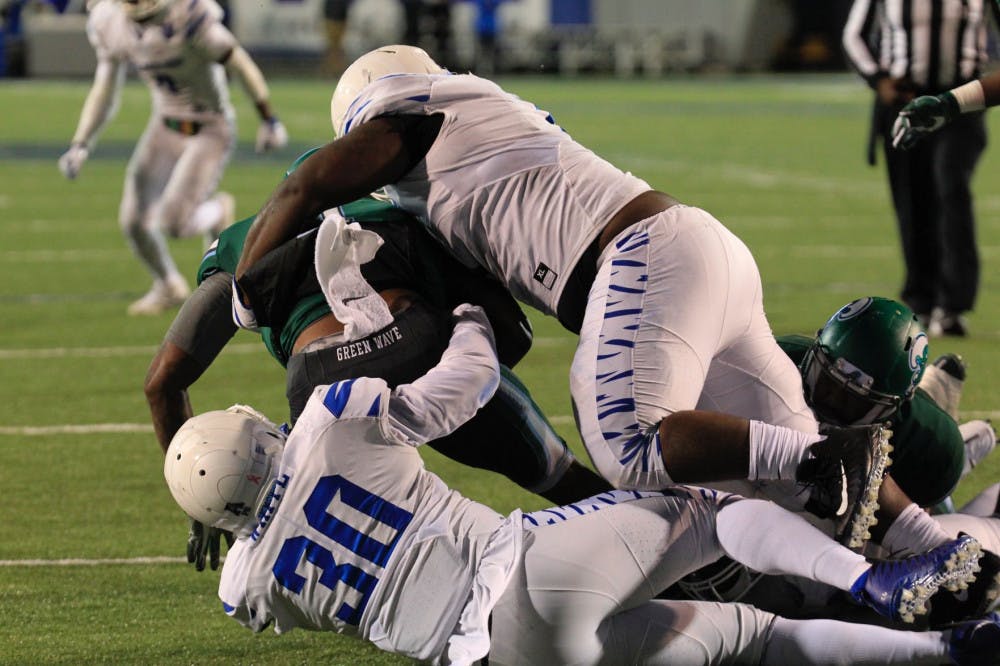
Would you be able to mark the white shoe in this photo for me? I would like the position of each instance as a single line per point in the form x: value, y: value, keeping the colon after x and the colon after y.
x: 228, y: 203
x: 980, y: 439
x: 164, y: 295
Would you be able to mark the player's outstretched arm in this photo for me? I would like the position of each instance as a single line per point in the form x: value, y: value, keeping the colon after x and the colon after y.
x: 100, y: 106
x: 271, y: 134
x: 198, y: 333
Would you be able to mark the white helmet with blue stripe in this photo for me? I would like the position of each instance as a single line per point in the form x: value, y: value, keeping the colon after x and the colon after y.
x: 393, y: 59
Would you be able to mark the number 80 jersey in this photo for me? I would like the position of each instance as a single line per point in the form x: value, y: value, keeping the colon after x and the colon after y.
x: 357, y: 537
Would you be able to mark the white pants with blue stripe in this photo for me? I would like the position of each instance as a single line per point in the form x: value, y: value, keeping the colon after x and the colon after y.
x: 675, y: 320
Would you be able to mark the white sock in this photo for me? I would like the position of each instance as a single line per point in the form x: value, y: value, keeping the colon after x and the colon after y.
x: 833, y: 642
x: 769, y: 539
x: 776, y: 451
x: 206, y: 217
x: 913, y: 532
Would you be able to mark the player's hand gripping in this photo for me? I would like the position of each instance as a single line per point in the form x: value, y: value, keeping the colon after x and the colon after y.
x: 72, y: 160
x: 921, y: 117
x: 271, y: 135
x: 204, y: 540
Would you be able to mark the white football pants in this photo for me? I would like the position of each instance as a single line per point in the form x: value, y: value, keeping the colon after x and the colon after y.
x: 168, y: 176
x: 675, y: 320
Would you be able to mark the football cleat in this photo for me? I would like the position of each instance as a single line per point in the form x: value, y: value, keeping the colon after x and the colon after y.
x: 945, y: 323
x: 164, y: 295
x: 901, y: 589
x: 845, y: 474
x: 976, y: 601
x: 977, y: 642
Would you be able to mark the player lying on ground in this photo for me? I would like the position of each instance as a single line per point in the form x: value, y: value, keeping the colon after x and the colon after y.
x: 341, y: 528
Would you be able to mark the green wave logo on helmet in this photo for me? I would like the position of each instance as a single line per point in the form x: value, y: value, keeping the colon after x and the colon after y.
x: 865, y: 362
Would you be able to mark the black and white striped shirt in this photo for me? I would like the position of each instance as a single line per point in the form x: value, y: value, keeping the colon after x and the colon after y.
x: 936, y: 44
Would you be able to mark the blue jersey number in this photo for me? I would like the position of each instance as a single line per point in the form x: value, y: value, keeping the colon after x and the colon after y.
x: 327, y: 524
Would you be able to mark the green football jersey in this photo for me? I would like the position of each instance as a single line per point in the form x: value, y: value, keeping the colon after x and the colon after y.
x: 928, y: 449
x: 225, y: 255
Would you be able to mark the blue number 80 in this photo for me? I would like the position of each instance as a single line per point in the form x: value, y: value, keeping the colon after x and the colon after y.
x: 327, y: 524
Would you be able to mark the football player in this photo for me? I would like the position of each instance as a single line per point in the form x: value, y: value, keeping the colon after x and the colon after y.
x: 182, y: 52
x: 341, y: 528
x: 866, y: 365
x: 677, y: 376
x: 420, y: 285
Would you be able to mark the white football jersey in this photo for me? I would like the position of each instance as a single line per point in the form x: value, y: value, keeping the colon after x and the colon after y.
x: 177, y: 56
x: 357, y: 537
x: 503, y: 186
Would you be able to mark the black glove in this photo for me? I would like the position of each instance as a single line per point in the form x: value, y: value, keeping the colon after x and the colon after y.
x: 202, y: 540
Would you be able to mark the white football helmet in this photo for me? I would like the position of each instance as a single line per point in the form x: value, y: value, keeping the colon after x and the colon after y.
x: 220, y: 465
x: 144, y: 10
x: 393, y: 59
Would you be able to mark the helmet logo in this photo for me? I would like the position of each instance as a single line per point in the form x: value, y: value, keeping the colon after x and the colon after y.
x: 853, y: 309
x: 918, y: 355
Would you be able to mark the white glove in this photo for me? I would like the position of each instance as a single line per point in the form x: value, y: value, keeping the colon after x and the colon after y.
x: 271, y: 134
x: 243, y: 316
x: 72, y: 160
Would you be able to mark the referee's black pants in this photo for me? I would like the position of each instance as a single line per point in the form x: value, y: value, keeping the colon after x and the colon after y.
x: 932, y: 195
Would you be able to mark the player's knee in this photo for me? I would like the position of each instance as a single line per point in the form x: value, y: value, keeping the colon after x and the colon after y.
x: 172, y: 216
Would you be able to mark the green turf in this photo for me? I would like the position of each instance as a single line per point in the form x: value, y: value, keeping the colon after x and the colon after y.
x: 779, y: 160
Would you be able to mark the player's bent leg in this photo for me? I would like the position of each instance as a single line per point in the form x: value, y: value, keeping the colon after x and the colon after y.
x: 589, y: 560
x: 649, y: 332
x: 192, y: 182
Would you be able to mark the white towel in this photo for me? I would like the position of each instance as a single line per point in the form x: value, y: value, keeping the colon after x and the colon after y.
x: 341, y: 249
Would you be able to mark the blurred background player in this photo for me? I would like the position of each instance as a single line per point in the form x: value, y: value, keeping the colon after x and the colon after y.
x: 182, y: 52
x: 341, y: 528
x: 903, y: 50
x: 420, y: 284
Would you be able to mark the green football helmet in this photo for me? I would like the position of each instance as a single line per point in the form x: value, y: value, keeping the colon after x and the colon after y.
x: 864, y: 363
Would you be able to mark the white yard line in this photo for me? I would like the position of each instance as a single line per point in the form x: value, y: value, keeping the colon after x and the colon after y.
x: 83, y: 562
x: 88, y: 429
x: 105, y: 352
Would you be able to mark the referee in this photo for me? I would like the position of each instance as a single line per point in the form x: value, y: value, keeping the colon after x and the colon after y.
x: 903, y: 49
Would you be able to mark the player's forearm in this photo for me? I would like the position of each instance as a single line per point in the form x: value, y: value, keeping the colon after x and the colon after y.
x: 166, y: 392
x: 240, y: 63
x: 169, y: 409
x: 101, y: 103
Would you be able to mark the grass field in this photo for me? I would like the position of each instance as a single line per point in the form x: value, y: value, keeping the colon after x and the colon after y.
x: 89, y: 550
